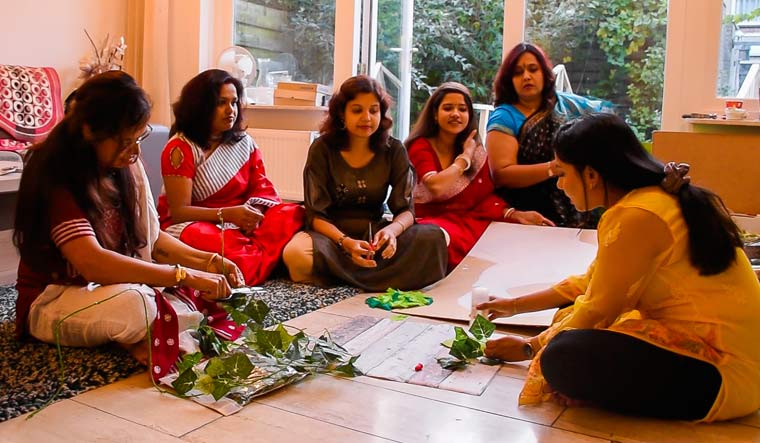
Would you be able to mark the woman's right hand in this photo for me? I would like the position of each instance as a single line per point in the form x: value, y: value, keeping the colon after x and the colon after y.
x: 469, y: 145
x: 245, y: 217
x: 360, y: 251
x: 211, y: 286
x: 499, y: 307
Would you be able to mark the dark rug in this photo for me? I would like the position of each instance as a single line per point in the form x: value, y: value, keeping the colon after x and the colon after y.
x: 30, y: 374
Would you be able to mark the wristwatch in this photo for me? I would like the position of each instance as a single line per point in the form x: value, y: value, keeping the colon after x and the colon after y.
x: 528, y: 350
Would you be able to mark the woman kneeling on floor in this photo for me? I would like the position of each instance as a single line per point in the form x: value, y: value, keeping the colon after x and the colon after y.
x: 665, y: 322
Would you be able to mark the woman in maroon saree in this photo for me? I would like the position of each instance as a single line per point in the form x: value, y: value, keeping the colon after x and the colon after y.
x: 454, y: 189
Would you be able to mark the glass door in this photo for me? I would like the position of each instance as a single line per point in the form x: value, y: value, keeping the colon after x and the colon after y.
x: 386, y: 54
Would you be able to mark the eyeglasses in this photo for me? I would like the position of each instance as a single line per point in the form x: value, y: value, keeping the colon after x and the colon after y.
x: 126, y: 152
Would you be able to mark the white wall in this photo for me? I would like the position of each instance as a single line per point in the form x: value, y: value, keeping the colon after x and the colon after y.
x: 51, y: 33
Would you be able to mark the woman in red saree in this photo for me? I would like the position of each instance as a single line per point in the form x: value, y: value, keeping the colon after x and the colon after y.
x: 214, y: 176
x: 454, y: 188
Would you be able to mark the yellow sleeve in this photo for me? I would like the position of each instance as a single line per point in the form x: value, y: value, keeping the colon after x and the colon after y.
x: 632, y: 244
x: 575, y: 285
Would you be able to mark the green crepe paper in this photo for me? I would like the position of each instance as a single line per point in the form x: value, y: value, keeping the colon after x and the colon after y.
x: 395, y: 299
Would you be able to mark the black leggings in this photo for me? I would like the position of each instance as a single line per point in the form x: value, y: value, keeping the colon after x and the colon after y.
x: 623, y: 374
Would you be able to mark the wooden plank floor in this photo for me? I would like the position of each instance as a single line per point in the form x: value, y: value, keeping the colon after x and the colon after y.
x: 363, y: 409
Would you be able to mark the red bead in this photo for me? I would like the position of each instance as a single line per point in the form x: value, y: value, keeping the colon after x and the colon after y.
x: 418, y: 368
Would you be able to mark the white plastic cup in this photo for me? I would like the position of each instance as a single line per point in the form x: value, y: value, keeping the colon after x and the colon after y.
x: 478, y: 295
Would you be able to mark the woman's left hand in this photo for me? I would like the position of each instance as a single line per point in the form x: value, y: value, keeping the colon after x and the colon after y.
x: 507, y: 348
x: 531, y: 218
x: 231, y: 271
x: 385, y: 238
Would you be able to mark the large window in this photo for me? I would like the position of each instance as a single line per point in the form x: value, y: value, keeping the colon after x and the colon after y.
x: 612, y: 50
x: 290, y: 38
x: 451, y: 40
x: 739, y: 59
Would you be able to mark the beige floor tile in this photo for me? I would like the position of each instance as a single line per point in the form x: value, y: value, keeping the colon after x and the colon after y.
x: 518, y: 369
x: 500, y: 398
x: 315, y: 323
x: 628, y: 429
x: 69, y: 421
x: 261, y: 423
x: 137, y: 400
x: 403, y: 417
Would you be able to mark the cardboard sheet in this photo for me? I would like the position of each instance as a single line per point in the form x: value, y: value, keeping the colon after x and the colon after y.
x: 511, y: 260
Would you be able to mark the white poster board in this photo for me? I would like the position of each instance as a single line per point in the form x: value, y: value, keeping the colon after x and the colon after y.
x: 511, y: 260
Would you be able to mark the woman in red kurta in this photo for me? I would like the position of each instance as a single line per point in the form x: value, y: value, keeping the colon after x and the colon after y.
x: 454, y: 188
x: 213, y: 174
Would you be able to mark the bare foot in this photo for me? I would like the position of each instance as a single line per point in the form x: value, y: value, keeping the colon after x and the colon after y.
x: 139, y: 351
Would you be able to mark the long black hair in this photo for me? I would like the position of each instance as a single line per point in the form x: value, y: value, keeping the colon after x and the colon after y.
x: 426, y: 125
x: 195, y: 110
x: 606, y: 143
x: 108, y: 104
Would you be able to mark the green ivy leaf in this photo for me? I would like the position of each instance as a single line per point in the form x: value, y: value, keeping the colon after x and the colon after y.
x: 481, y: 328
x: 269, y: 342
x: 451, y: 363
x: 348, y: 368
x: 220, y: 388
x: 188, y: 361
x: 185, y: 382
x: 215, y: 367
x: 257, y: 310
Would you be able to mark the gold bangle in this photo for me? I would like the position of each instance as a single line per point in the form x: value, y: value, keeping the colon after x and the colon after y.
x: 508, y: 213
x: 219, y: 215
x: 180, y: 274
x: 211, y: 260
x: 403, y: 227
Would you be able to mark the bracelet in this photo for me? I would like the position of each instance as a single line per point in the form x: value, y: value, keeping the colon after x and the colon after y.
x: 461, y: 169
x: 466, y: 160
x: 508, y: 213
x: 219, y: 215
x: 403, y: 227
x: 340, y: 242
x: 211, y: 260
x: 180, y: 274
x: 549, y: 170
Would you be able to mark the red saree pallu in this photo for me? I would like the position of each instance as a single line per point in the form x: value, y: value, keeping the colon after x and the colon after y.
x: 30, y: 105
x: 232, y: 175
x: 466, y: 210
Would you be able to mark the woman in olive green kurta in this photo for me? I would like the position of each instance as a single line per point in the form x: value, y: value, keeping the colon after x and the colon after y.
x: 348, y: 174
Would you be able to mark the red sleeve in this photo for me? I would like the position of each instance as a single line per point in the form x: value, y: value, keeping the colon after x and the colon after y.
x: 259, y: 185
x: 67, y: 220
x: 423, y: 158
x: 177, y: 159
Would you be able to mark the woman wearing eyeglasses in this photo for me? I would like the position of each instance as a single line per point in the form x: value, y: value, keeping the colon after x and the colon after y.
x: 91, y: 251
x: 214, y: 177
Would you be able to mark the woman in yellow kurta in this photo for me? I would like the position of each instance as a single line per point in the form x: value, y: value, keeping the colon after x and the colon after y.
x: 666, y: 321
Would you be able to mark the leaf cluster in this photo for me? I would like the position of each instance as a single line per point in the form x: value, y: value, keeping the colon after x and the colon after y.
x: 466, y: 346
x: 264, y: 360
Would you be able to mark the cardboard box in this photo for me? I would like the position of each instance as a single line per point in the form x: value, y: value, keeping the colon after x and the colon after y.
x: 300, y: 97
x: 303, y: 86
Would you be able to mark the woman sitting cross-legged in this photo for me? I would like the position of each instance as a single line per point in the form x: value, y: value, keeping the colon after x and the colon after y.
x: 348, y: 172
x: 520, y: 135
x: 454, y: 189
x: 93, y: 259
x: 213, y: 174
x: 665, y: 322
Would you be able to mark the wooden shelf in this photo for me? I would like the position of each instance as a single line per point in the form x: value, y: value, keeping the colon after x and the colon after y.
x: 723, y: 122
x: 287, y: 108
